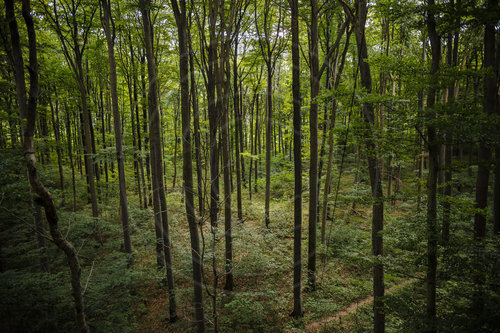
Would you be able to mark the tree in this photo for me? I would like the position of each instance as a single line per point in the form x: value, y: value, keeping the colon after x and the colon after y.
x: 297, y: 157
x: 271, y: 48
x: 109, y: 29
x: 73, y: 46
x: 433, y: 147
x: 315, y: 76
x: 159, y: 200
x: 373, y: 168
x: 27, y: 111
x: 179, y: 9
x: 484, y: 158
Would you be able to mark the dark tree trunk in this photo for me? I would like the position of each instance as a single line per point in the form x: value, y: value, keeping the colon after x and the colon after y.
x: 489, y: 105
x: 226, y: 164
x: 269, y: 122
x: 432, y: 178
x: 257, y: 144
x: 70, y: 154
x: 145, y: 120
x: 373, y: 170
x: 135, y: 113
x: 27, y: 111
x: 297, y: 150
x: 237, y: 123
x: 130, y: 78
x: 196, y: 125
x: 159, y: 201
x: 187, y: 163
x: 484, y: 160
x: 313, y: 129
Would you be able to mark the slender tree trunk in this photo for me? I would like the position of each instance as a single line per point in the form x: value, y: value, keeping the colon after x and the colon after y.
x: 89, y: 162
x: 145, y: 121
x: 313, y: 129
x: 138, y: 127
x: 70, y: 154
x: 176, y: 140
x: 484, y: 161
x: 187, y: 163
x: 252, y: 148
x: 196, y: 125
x: 489, y: 106
x: 433, y: 145
x: 223, y: 79
x: 269, y: 122
x: 237, y: 132
x: 257, y: 143
x: 374, y: 170
x: 159, y: 201
x: 132, y: 95
x: 297, y: 150
x: 108, y: 24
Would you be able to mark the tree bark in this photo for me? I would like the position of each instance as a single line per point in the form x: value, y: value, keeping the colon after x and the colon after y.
x: 187, y: 162
x: 237, y: 123
x: 313, y: 129
x: 373, y: 169
x: 297, y: 150
x: 432, y: 178
x: 196, y: 126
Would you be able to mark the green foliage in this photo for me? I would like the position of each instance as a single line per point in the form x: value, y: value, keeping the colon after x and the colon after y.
x: 35, y: 302
x: 245, y: 313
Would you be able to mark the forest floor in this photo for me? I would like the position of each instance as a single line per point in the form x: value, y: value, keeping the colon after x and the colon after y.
x: 339, y: 315
x: 263, y: 268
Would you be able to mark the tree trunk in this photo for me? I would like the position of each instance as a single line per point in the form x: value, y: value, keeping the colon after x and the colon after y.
x: 374, y: 171
x: 269, y: 122
x: 313, y: 164
x: 108, y: 26
x: 70, y: 154
x: 196, y: 125
x: 27, y: 111
x: 297, y: 150
x: 433, y: 145
x: 237, y: 123
x: 159, y: 201
x: 187, y: 163
x: 484, y: 161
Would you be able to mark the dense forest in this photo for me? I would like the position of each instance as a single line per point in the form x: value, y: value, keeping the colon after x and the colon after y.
x: 249, y: 166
